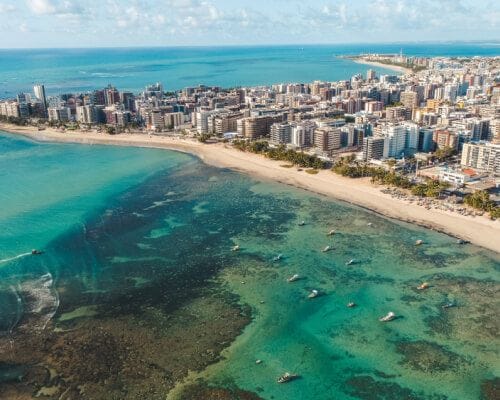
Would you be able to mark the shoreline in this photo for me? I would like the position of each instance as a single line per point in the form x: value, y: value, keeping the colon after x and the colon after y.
x: 478, y: 230
x: 397, y: 68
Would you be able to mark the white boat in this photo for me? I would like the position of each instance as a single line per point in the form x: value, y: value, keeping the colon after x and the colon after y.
x: 278, y: 257
x: 287, y: 377
x: 302, y: 223
x: 314, y: 293
x: 369, y: 224
x: 351, y: 304
x: 294, y: 278
x: 331, y: 233
x: 423, y: 286
x: 419, y: 242
x: 327, y: 248
x: 235, y: 248
x: 350, y: 262
x: 389, y: 317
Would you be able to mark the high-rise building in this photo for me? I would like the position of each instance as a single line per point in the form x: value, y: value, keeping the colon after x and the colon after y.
x: 425, y: 140
x: 443, y: 138
x: 256, y: 127
x: 398, y: 113
x: 373, y: 148
x: 281, y: 133
x: 395, y: 140
x: 371, y: 75
x: 59, y: 114
x: 481, y: 156
x: 409, y: 99
x: 327, y: 139
x: 303, y: 133
x: 39, y: 91
x: 481, y: 130
x: 87, y: 114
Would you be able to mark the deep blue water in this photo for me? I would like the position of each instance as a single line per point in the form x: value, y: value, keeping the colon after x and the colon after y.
x: 80, y: 70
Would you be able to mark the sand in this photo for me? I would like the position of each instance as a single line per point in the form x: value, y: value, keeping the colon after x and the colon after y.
x: 479, y: 230
x: 382, y: 65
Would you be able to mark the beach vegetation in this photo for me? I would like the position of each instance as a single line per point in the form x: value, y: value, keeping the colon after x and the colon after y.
x: 431, y: 188
x: 481, y: 200
x: 346, y: 166
x: 14, y: 120
x: 281, y: 153
x: 203, y: 138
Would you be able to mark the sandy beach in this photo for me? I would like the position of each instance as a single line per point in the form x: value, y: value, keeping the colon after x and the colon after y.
x: 382, y: 65
x: 479, y: 230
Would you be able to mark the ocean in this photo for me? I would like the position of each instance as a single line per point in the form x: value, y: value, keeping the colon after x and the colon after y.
x: 82, y: 70
x: 138, y: 286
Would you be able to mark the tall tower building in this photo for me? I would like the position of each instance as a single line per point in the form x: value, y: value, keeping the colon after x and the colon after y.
x: 40, y: 94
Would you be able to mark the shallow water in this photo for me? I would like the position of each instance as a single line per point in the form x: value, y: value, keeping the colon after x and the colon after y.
x: 138, y: 247
x: 346, y: 353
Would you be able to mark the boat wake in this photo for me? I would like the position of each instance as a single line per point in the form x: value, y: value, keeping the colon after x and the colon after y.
x: 6, y: 260
x: 40, y: 300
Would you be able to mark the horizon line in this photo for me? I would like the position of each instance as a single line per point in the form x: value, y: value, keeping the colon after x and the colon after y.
x: 494, y: 42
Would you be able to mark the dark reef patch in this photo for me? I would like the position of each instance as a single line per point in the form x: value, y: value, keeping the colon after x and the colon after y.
x: 366, y: 388
x: 157, y: 311
x: 201, y: 391
x: 429, y: 357
x: 490, y: 389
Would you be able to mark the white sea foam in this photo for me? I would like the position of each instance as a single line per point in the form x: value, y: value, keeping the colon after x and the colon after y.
x: 41, y: 300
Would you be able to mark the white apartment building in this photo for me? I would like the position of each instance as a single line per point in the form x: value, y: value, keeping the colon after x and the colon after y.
x: 482, y: 156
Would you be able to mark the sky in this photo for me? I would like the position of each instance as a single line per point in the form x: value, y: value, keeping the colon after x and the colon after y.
x: 103, y: 23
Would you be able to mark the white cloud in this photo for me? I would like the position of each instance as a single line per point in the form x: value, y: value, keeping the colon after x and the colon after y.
x: 51, y: 7
x: 6, y: 8
x: 257, y: 21
x: 41, y: 6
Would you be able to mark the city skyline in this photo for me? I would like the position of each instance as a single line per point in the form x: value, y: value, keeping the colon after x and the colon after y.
x: 54, y: 23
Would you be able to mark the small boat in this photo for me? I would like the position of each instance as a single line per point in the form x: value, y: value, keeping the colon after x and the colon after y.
x: 331, y: 233
x: 235, y: 248
x: 369, y: 224
x: 314, y: 293
x: 36, y: 252
x: 350, y: 262
x: 419, y: 242
x: 278, y: 257
x: 423, y: 286
x: 461, y: 241
x: 327, y: 248
x: 302, y: 223
x: 293, y: 278
x: 351, y: 304
x: 389, y: 317
x: 258, y: 362
x: 449, y: 305
x: 287, y: 377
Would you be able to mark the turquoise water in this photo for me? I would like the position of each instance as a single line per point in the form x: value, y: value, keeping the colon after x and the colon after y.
x: 130, y: 233
x: 80, y: 70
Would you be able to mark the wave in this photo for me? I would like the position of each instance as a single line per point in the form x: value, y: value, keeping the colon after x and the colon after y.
x: 40, y: 299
